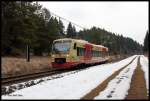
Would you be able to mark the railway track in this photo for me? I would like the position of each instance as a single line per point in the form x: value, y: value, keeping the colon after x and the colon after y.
x: 22, y: 78
x: 12, y: 84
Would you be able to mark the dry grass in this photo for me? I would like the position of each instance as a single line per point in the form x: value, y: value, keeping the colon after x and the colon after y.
x: 12, y: 66
x: 117, y: 57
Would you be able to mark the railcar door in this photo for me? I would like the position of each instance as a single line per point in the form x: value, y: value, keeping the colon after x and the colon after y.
x: 88, y: 52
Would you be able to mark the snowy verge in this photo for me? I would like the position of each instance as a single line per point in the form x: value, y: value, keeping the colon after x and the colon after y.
x: 119, y: 86
x: 145, y: 67
x: 14, y: 87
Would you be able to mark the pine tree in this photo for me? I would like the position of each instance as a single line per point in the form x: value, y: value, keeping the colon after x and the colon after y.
x: 74, y: 32
x: 46, y: 14
x: 70, y: 31
x: 61, y: 28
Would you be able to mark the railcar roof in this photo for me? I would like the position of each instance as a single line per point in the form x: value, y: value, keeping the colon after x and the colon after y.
x: 81, y: 41
x: 78, y: 40
x: 63, y: 39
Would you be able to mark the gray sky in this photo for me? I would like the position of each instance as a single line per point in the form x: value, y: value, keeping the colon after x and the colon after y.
x: 127, y: 18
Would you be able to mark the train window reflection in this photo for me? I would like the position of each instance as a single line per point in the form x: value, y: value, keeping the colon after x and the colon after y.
x: 61, y: 46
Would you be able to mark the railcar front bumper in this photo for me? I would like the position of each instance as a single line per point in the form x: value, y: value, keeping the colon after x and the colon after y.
x: 64, y: 65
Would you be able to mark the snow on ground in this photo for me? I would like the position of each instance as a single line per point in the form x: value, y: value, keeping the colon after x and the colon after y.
x: 73, y: 86
x: 119, y: 86
x: 26, y: 84
x: 145, y: 67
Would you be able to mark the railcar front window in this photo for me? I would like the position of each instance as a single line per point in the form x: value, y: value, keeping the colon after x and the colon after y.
x: 61, y: 47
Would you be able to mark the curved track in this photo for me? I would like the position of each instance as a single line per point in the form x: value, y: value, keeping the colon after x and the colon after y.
x: 21, y: 78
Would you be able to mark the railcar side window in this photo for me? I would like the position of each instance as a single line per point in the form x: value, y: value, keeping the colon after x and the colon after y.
x: 95, y: 53
x: 80, y: 51
x: 83, y: 51
x: 98, y: 53
x: 102, y: 54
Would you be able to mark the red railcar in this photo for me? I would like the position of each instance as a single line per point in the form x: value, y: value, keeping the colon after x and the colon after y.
x: 68, y: 53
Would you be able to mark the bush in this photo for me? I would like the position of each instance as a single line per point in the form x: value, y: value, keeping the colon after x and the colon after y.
x: 16, y: 52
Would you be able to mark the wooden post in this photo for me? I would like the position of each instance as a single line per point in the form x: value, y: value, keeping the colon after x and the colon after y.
x: 28, y: 53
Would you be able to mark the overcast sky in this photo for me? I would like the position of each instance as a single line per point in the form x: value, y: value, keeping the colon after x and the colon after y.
x: 127, y: 18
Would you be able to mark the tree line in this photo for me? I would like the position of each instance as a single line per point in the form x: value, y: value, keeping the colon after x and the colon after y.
x: 117, y: 44
x: 28, y: 23
x: 146, y: 43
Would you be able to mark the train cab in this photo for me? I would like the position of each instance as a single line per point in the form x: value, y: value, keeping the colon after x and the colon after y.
x: 61, y: 50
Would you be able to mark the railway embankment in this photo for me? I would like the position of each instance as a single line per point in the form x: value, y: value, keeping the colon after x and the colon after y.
x: 14, y: 66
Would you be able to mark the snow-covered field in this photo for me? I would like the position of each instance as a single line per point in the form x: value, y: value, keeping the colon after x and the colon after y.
x: 74, y: 86
x: 119, y: 86
x: 145, y: 68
